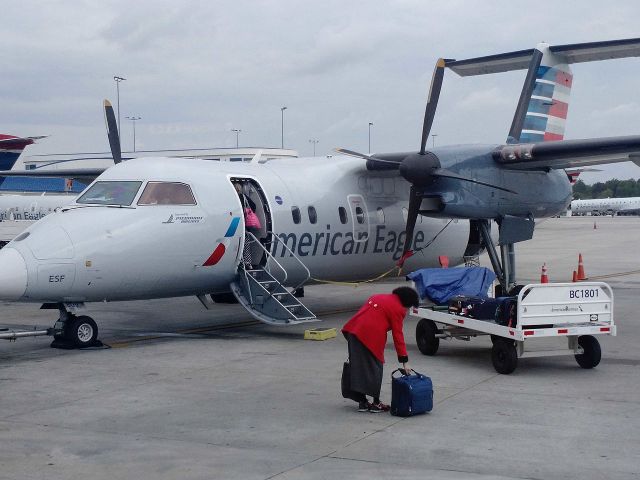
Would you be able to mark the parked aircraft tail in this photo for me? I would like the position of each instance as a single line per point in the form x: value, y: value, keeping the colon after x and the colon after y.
x: 541, y: 113
x: 11, y: 148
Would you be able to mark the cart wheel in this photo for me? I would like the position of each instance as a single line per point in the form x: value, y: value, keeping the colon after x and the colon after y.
x: 81, y: 332
x: 504, y: 356
x: 592, y: 353
x: 426, y: 338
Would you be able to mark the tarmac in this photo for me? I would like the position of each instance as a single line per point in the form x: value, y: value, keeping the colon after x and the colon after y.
x: 193, y: 394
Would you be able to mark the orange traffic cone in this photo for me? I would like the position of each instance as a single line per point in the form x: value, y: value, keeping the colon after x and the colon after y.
x: 575, y: 277
x: 581, y: 275
x: 543, y: 275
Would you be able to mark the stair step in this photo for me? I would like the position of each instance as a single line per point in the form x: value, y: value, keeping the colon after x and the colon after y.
x: 267, y: 300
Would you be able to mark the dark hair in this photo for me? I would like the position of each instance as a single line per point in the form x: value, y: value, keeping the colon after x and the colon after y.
x: 408, y: 296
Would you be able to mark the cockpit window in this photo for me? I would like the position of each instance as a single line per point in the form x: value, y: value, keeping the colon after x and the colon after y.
x: 111, y: 193
x: 167, y: 193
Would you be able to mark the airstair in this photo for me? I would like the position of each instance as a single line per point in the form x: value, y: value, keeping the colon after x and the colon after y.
x: 261, y: 292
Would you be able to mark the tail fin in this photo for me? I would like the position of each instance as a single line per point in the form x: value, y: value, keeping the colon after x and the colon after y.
x: 11, y: 148
x: 542, y: 109
x: 548, y: 104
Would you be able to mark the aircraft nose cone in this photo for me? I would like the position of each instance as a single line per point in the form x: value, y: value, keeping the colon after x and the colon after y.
x: 13, y: 274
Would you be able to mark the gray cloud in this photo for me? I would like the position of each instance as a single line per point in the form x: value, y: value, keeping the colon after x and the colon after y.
x: 197, y: 69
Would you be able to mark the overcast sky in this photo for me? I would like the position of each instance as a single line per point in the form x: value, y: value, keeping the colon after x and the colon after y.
x: 195, y: 70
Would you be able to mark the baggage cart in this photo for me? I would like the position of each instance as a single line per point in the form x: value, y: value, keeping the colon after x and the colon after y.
x: 573, y: 312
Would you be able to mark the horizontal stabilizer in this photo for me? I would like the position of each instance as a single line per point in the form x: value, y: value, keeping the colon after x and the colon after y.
x: 569, y: 153
x: 573, y: 53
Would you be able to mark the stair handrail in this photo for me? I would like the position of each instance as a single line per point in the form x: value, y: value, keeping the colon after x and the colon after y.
x: 284, y: 244
x: 254, y: 239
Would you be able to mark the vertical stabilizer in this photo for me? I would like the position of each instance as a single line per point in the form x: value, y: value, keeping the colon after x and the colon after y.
x: 10, y: 150
x: 548, y: 103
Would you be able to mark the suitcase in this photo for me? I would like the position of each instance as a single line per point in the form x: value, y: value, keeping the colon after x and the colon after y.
x: 481, y: 308
x: 410, y: 394
x: 507, y: 311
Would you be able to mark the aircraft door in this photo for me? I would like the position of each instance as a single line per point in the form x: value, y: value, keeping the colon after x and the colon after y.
x: 359, y: 217
x: 252, y: 196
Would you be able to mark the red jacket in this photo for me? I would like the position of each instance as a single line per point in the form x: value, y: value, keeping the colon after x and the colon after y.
x: 370, y: 325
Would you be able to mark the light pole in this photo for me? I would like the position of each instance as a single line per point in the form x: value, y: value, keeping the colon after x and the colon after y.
x: 134, y: 120
x: 118, y: 80
x: 314, y: 141
x: 370, y: 125
x: 433, y: 139
x: 237, y: 133
x: 282, y: 109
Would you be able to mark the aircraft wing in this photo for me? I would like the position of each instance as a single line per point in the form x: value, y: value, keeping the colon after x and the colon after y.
x: 569, y: 153
x: 85, y: 175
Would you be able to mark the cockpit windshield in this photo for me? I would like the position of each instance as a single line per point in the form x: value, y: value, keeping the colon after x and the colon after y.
x: 110, y: 193
x: 167, y: 193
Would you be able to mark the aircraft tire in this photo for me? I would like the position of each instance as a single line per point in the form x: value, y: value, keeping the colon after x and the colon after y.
x: 504, y: 356
x: 592, y: 352
x: 81, y: 332
x: 426, y: 339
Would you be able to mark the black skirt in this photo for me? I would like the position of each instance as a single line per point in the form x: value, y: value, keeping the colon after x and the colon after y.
x: 366, y: 369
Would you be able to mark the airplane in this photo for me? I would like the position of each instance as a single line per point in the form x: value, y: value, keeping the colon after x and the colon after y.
x: 166, y: 227
x: 606, y: 206
x: 11, y: 147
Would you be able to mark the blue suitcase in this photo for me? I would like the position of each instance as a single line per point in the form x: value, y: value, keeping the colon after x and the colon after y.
x: 410, y: 394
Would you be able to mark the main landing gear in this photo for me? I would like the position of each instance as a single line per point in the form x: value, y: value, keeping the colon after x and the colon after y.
x: 73, y: 331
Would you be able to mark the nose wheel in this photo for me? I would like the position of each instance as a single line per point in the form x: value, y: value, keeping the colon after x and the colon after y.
x: 74, y: 331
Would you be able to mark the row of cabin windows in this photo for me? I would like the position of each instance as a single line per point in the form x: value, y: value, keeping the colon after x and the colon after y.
x: 342, y: 214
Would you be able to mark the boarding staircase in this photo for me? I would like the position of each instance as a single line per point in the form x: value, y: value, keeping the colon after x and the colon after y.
x: 261, y: 292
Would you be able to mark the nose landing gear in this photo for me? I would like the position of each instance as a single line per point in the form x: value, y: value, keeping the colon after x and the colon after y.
x: 73, y: 331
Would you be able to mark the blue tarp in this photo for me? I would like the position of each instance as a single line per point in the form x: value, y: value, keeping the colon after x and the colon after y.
x: 440, y: 284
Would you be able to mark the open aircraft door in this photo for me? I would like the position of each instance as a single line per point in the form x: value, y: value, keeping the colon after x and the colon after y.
x: 360, y: 217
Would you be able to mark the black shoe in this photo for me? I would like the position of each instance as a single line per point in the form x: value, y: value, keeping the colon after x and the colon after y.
x: 363, y: 406
x: 379, y: 407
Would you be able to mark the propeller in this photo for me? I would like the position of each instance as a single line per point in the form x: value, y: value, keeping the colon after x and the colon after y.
x: 421, y: 168
x: 112, y: 132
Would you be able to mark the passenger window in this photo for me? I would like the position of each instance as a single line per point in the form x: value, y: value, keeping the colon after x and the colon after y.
x: 111, y: 193
x: 342, y: 212
x: 380, y: 216
x: 167, y: 193
x: 295, y: 213
x: 313, y: 216
x: 359, y: 215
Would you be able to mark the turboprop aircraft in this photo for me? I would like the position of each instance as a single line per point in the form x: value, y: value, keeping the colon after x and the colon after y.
x: 163, y: 227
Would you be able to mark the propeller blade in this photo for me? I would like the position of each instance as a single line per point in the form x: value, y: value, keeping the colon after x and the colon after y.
x: 441, y: 172
x: 415, y: 200
x: 351, y: 153
x: 373, y: 161
x: 432, y: 102
x: 112, y: 132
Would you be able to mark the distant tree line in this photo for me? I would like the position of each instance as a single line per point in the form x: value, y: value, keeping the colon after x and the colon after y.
x: 610, y: 189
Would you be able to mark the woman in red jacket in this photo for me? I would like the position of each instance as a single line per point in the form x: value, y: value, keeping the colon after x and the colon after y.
x: 366, y: 335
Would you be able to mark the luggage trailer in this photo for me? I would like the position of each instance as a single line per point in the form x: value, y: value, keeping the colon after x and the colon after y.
x: 575, y: 311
